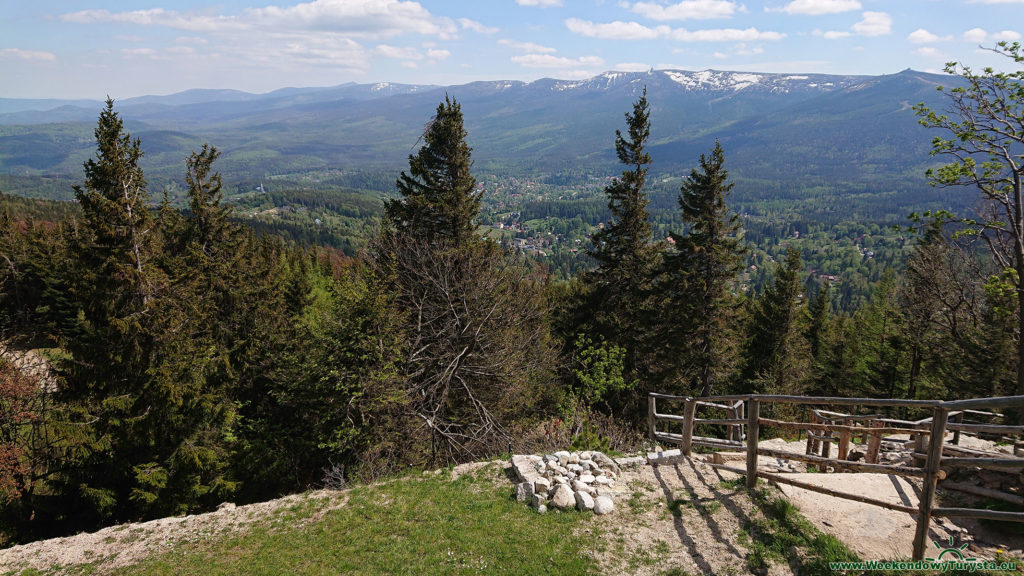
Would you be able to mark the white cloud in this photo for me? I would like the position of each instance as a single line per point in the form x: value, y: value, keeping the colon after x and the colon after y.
x: 615, y: 30
x: 398, y: 52
x: 477, y: 27
x: 874, y: 24
x: 158, y: 17
x: 1006, y: 36
x: 337, y: 53
x: 725, y: 35
x: 19, y: 54
x: 927, y: 51
x: 551, y: 61
x: 357, y: 18
x: 744, y: 50
x: 975, y: 35
x: 832, y: 34
x: 527, y: 46
x: 687, y: 10
x: 631, y: 67
x: 369, y: 18
x: 720, y: 55
x: 137, y: 51
x: 438, y: 54
x: 818, y: 7
x: 541, y: 3
x: 997, y: 1
x: 635, y: 31
x: 922, y: 36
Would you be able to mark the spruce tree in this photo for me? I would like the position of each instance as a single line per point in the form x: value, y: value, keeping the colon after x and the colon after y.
x: 777, y: 354
x: 475, y: 335
x: 694, y: 280
x: 620, y: 285
x: 439, y: 195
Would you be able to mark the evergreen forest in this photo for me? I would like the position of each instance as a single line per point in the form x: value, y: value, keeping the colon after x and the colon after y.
x: 163, y: 353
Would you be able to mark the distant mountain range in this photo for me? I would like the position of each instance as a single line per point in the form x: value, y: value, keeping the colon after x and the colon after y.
x: 784, y: 130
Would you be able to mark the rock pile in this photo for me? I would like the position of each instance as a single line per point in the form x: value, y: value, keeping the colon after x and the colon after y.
x: 563, y: 480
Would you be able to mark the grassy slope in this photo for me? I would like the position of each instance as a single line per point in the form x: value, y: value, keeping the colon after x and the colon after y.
x: 428, y: 525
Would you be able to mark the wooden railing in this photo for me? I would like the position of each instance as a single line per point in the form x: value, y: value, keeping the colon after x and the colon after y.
x: 743, y: 414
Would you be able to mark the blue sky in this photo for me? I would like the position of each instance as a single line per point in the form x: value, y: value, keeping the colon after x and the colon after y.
x: 92, y: 48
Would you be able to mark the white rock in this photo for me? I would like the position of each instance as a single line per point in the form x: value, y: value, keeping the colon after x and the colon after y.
x: 603, y: 480
x: 585, y: 455
x: 603, y: 505
x: 563, y: 498
x: 589, y: 464
x: 550, y: 458
x: 574, y: 458
x: 541, y: 485
x: 560, y: 480
x: 581, y: 487
x: 574, y: 468
x: 584, y: 501
x: 563, y: 457
x: 587, y: 478
x: 534, y: 458
x: 524, y: 491
x: 542, y: 509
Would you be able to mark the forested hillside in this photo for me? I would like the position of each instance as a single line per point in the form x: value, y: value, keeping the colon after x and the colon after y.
x: 199, y: 350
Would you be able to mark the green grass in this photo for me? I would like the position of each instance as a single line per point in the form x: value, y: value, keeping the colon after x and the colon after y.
x: 428, y: 525
x: 784, y: 535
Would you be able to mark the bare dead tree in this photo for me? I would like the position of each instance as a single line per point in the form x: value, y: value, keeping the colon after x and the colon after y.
x: 476, y: 337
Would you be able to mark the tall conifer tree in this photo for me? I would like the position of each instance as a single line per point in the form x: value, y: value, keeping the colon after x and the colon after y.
x: 694, y: 279
x: 625, y: 254
x: 439, y: 195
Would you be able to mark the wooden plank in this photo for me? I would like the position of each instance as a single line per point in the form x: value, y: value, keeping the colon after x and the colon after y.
x: 720, y: 421
x: 986, y: 463
x: 688, y: 412
x: 753, y: 429
x: 997, y: 402
x: 986, y: 492
x: 831, y: 427
x: 727, y: 467
x: 699, y: 440
x: 779, y: 478
x: 989, y: 428
x: 931, y: 472
x: 713, y: 405
x: 669, y: 417
x: 843, y: 464
x: 978, y: 513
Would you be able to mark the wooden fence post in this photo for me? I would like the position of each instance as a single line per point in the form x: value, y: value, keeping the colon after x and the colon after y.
x: 753, y: 428
x: 931, y: 471
x: 651, y: 411
x: 689, y: 411
x: 874, y: 444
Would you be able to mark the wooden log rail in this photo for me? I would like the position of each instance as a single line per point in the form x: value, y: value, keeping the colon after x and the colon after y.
x: 931, y: 449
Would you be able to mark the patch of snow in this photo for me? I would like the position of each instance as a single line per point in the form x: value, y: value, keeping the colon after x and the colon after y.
x: 796, y: 78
